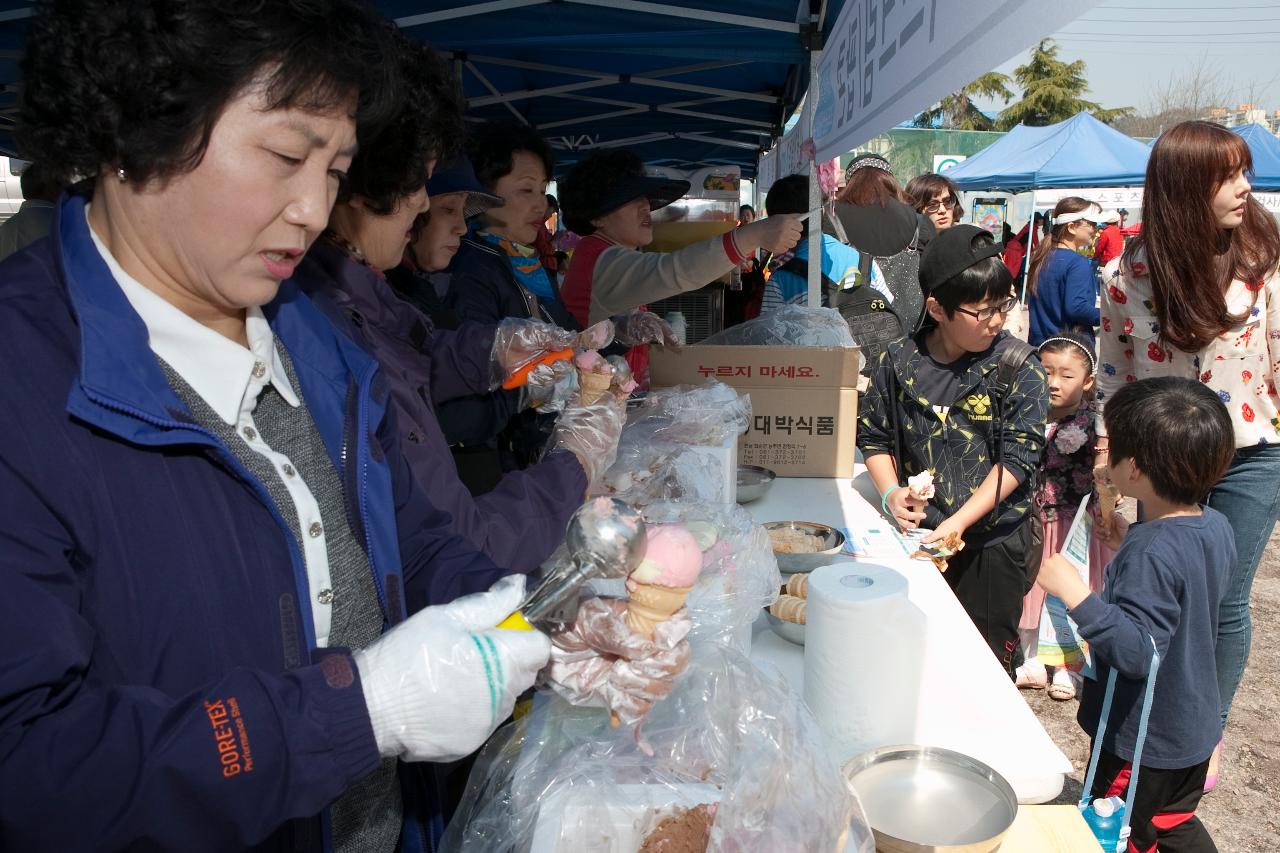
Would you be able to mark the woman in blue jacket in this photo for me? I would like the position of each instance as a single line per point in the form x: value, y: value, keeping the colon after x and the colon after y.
x: 1062, y: 290
x: 206, y: 525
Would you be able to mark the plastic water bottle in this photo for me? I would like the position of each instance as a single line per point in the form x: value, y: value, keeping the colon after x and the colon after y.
x: 675, y: 319
x: 1105, y: 817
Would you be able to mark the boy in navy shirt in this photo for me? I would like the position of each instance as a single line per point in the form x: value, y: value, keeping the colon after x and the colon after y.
x: 1171, y: 440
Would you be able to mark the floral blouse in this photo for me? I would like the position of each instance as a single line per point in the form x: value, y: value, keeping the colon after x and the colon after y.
x: 1242, y: 366
x: 1066, y: 474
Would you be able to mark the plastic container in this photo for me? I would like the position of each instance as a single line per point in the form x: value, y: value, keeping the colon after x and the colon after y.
x: 679, y: 325
x: 1105, y: 817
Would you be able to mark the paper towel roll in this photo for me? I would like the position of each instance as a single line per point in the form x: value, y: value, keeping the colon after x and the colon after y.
x: 863, y: 657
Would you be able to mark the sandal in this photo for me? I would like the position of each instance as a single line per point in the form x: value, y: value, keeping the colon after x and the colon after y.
x: 1060, y: 688
x: 1215, y: 766
x: 1031, y: 677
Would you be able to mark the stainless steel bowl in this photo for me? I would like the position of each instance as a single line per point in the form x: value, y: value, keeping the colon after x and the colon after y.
x: 831, y: 542
x: 786, y: 630
x: 753, y: 482
x: 922, y: 799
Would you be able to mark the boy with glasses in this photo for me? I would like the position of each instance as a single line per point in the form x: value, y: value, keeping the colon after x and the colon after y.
x: 962, y: 401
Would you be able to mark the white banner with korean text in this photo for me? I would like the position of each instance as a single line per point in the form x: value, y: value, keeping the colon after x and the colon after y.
x: 886, y: 60
x: 1108, y: 198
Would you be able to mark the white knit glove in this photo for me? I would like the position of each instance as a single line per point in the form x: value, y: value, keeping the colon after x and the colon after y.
x: 439, y: 683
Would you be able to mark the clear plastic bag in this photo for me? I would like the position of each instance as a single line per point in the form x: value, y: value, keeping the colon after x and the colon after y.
x: 739, y: 575
x: 789, y: 326
x: 656, y: 460
x: 650, y: 471
x: 560, y: 779
x: 708, y: 414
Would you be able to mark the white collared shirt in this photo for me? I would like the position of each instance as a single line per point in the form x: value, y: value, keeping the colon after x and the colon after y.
x: 229, y: 378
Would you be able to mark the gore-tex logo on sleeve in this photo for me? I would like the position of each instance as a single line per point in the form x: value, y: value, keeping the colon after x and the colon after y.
x: 230, y: 737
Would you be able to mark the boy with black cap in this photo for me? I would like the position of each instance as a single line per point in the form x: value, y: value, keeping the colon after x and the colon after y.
x: 962, y: 401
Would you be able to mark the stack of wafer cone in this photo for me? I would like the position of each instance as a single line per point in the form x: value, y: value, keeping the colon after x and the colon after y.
x: 790, y: 608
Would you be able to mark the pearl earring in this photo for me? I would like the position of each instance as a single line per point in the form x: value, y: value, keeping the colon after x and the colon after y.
x: 120, y: 174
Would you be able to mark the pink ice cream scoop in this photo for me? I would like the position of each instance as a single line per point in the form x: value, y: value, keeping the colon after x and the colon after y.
x: 672, y: 558
x: 591, y: 361
x: 662, y: 582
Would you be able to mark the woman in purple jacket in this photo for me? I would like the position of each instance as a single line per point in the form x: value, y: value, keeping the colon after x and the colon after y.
x: 520, y: 522
x: 206, y: 522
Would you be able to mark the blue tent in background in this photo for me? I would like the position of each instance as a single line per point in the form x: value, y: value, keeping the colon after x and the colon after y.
x: 1265, y: 148
x: 1079, y: 152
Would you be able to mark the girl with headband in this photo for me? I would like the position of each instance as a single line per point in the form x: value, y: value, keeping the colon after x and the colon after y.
x: 1066, y: 476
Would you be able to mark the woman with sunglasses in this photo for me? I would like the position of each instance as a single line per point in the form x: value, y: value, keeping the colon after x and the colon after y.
x: 936, y: 197
x: 1062, y: 290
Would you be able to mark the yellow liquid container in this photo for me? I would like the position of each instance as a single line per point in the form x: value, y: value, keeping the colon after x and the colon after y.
x: 669, y: 236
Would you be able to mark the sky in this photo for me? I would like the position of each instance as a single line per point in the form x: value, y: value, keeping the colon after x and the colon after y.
x: 1132, y: 46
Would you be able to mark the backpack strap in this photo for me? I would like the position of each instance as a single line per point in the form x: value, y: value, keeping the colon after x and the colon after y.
x: 1011, y: 360
x: 800, y: 267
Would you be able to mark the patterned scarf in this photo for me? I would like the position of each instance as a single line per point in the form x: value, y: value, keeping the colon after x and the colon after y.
x: 526, y: 266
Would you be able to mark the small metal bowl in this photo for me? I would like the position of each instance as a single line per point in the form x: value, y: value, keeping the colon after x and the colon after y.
x: 831, y: 540
x: 786, y: 630
x: 753, y: 482
x: 925, y: 799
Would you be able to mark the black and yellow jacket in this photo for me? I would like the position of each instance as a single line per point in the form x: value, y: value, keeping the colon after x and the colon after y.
x: 958, y: 449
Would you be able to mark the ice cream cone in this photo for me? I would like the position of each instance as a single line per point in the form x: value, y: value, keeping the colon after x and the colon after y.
x: 591, y: 385
x: 1108, y: 500
x: 652, y: 605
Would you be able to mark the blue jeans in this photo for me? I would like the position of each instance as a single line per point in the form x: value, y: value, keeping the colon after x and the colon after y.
x: 1249, y: 496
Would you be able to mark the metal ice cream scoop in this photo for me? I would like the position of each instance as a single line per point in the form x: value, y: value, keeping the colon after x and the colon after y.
x: 606, y: 539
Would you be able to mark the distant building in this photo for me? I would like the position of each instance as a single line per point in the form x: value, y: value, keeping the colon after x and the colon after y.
x: 1245, y: 114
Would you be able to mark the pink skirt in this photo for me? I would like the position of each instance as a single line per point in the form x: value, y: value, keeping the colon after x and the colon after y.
x: 1055, y: 534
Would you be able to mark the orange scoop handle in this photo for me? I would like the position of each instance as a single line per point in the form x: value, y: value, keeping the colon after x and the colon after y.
x: 521, y: 375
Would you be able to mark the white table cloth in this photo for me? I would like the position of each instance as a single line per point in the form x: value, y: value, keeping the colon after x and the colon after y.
x: 968, y: 702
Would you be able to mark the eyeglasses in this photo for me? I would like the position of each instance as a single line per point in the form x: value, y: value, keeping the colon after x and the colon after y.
x: 987, y: 313
x: 940, y: 204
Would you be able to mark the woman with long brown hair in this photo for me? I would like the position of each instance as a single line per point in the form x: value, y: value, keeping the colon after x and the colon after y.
x: 1062, y: 291
x: 1196, y: 294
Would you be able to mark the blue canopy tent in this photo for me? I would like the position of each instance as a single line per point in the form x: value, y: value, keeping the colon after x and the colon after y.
x: 702, y: 82
x: 1265, y: 148
x: 1079, y: 152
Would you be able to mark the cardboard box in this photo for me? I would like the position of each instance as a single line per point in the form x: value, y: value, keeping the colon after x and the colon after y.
x: 804, y: 402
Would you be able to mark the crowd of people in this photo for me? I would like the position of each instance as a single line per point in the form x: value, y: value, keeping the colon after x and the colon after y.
x: 287, y: 425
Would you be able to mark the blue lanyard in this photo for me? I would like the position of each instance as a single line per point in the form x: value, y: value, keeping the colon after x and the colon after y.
x: 1137, y: 747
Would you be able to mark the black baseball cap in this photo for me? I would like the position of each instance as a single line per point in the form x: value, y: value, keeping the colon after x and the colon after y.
x: 953, y: 251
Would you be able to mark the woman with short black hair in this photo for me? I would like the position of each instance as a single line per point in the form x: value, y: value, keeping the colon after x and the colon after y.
x: 206, y: 525
x: 497, y: 272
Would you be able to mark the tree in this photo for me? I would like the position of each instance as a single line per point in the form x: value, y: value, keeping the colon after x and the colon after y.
x: 957, y: 111
x: 1182, y: 96
x: 1052, y: 91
